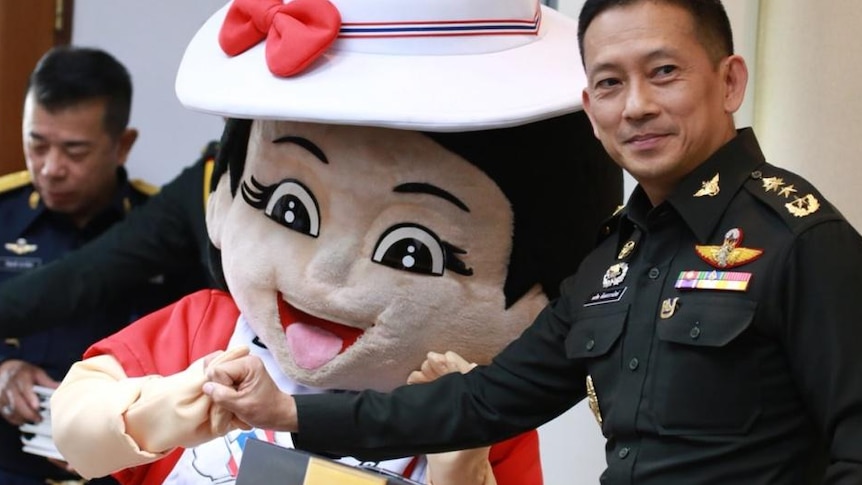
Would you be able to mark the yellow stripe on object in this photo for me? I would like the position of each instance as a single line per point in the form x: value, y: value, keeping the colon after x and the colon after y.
x: 209, y: 166
x: 321, y: 472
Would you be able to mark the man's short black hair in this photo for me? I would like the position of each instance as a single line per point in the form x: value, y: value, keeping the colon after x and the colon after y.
x: 66, y: 76
x: 711, y: 23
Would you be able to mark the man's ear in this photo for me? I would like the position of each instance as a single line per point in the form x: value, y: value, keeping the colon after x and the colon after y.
x: 124, y: 145
x: 218, y: 204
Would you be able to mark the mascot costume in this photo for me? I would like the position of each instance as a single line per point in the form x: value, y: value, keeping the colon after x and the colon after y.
x: 395, y: 178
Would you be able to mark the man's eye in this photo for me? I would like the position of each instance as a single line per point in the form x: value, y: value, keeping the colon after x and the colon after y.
x: 607, y: 83
x: 289, y: 203
x: 665, y: 70
x: 411, y: 247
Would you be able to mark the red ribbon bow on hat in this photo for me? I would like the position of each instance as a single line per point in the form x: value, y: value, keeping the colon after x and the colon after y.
x: 296, y: 33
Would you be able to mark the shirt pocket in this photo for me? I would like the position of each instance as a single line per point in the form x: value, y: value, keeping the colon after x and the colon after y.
x: 706, y: 376
x: 594, y: 341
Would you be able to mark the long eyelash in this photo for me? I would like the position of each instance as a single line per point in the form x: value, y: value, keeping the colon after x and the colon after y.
x: 258, y: 196
x: 453, y: 262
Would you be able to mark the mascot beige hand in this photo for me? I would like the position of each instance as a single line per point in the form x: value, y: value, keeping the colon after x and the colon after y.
x: 139, y: 419
x: 465, y: 467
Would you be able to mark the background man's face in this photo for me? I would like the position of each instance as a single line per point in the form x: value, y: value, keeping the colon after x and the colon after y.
x: 71, y: 158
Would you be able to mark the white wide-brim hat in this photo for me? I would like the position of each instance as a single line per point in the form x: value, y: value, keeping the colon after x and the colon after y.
x: 430, y: 65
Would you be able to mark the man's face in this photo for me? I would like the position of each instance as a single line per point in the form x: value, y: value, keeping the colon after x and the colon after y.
x: 656, y: 100
x: 71, y: 158
x: 354, y: 251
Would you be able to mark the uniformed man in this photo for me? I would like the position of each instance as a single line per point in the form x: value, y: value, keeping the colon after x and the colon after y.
x: 76, y: 140
x: 167, y: 235
x: 715, y: 329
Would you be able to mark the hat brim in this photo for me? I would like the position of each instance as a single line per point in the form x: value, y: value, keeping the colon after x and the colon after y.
x: 535, y: 81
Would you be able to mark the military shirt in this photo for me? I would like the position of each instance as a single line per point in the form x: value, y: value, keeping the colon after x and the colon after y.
x: 166, y: 236
x: 719, y: 331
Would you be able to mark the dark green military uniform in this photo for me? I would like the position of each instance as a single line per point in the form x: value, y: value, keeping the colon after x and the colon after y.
x: 720, y: 331
x: 167, y: 235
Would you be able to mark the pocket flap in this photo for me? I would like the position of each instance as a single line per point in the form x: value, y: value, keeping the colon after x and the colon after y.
x: 595, y: 331
x: 707, y: 321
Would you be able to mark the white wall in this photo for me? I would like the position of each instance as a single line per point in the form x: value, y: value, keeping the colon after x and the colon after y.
x: 807, y: 117
x: 149, y: 37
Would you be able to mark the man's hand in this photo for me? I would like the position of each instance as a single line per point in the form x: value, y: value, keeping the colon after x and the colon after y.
x: 18, y: 403
x: 436, y: 365
x: 243, y: 387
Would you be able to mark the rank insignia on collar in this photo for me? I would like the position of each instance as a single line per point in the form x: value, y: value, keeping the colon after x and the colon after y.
x: 709, y: 188
x: 668, y: 307
x: 730, y: 254
x: 803, y: 206
x: 593, y: 400
x: 626, y: 251
x: 21, y: 246
x: 712, y: 280
x: 615, y: 275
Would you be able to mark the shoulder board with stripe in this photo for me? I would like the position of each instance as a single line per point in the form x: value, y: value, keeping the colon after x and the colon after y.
x: 143, y: 187
x: 14, y: 180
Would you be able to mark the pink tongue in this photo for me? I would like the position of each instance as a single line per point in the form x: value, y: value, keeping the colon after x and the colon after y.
x: 312, y: 346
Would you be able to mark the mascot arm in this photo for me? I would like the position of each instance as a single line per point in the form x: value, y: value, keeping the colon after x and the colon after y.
x: 133, y: 421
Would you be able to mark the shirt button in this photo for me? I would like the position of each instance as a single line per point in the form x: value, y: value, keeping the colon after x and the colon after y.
x: 654, y: 273
x: 694, y: 333
x: 634, y: 363
x: 624, y: 452
x: 756, y: 175
x: 590, y: 344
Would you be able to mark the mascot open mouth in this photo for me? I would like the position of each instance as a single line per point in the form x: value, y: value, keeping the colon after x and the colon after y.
x: 313, y: 341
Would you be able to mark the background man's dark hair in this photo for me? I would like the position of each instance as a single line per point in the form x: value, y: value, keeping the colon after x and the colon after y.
x: 66, y: 76
x: 712, y: 25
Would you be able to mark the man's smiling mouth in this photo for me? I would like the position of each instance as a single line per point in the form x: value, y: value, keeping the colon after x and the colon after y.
x: 313, y: 341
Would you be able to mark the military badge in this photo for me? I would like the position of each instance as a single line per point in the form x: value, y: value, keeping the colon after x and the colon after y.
x: 729, y: 254
x: 668, y: 307
x: 615, y: 275
x: 709, y: 188
x: 803, y: 206
x: 593, y: 400
x: 712, y: 280
x: 626, y: 250
x: 21, y: 246
x: 772, y: 184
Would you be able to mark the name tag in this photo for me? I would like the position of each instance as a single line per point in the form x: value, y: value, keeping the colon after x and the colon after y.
x: 17, y: 265
x: 607, y: 296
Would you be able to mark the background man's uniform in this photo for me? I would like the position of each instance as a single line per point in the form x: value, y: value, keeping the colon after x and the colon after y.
x: 33, y: 235
x: 169, y: 233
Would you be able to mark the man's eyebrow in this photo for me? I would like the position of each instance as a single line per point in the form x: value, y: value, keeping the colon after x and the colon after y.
x: 304, y: 143
x: 426, y: 188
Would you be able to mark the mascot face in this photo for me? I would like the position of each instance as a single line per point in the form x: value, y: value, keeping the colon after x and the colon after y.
x: 353, y: 251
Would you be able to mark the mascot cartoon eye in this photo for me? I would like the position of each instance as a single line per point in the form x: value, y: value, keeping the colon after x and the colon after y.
x: 411, y: 247
x: 288, y: 202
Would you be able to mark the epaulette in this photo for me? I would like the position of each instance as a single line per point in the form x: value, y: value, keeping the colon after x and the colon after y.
x: 609, y: 225
x: 14, y: 180
x: 143, y: 187
x: 791, y: 197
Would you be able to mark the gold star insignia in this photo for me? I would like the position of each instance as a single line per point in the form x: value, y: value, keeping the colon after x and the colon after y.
x: 772, y: 183
x: 709, y: 187
x: 786, y: 191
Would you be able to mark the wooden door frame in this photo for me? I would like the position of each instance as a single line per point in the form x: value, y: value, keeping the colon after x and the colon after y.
x: 27, y: 29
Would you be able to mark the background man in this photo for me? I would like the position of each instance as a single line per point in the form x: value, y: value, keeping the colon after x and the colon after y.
x: 76, y: 140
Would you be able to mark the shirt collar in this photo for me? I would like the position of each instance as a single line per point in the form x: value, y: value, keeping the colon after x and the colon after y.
x: 732, y: 164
